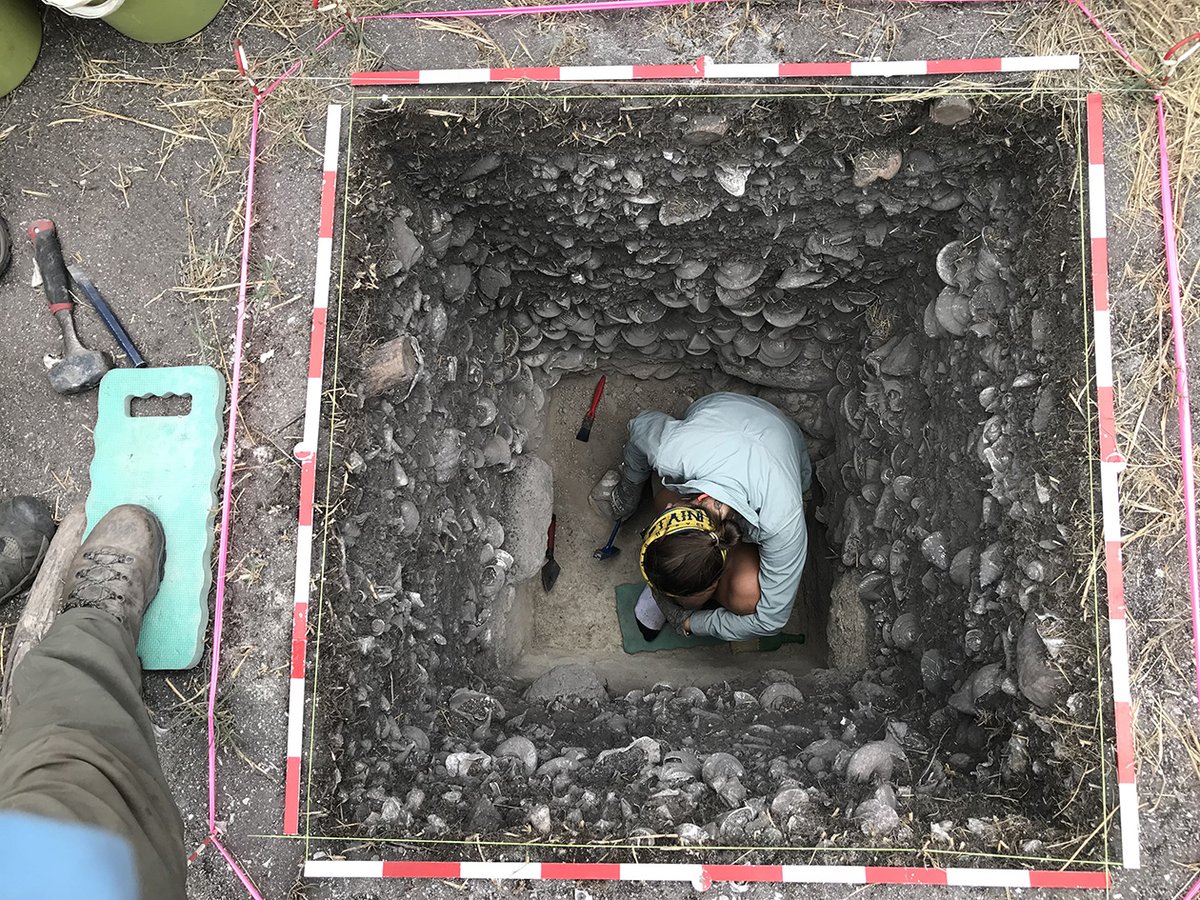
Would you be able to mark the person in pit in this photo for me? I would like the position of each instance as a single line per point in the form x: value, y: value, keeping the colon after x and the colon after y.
x: 726, y: 550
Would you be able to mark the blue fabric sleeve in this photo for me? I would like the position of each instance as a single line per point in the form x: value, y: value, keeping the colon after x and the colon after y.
x: 53, y: 860
x: 645, y: 436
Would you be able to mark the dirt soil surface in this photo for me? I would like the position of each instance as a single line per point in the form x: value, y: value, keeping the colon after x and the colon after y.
x: 138, y: 153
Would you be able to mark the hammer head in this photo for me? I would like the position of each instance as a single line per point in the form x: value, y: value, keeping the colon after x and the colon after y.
x: 78, y: 371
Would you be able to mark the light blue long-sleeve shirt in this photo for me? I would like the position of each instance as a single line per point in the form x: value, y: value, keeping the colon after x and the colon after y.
x: 748, y: 455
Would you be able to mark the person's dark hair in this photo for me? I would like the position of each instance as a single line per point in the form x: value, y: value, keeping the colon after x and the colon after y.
x: 687, y: 562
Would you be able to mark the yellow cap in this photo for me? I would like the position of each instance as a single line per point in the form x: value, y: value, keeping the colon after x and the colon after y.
x: 678, y: 518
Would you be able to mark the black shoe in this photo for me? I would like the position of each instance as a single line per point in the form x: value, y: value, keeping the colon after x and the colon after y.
x: 26, y: 527
x: 119, y: 567
x: 648, y: 633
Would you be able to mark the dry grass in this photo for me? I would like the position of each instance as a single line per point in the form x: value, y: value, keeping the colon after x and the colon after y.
x: 490, y: 52
x: 1152, y: 511
x: 1147, y: 433
x: 1146, y: 28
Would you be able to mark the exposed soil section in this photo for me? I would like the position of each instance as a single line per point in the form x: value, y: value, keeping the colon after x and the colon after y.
x: 907, y: 289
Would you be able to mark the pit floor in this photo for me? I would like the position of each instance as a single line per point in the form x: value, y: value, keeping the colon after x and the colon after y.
x: 577, y: 621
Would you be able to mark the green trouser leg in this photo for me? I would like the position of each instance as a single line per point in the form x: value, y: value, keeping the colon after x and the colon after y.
x: 79, y: 746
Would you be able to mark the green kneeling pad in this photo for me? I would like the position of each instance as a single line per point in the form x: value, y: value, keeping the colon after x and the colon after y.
x: 169, y: 464
x: 668, y: 638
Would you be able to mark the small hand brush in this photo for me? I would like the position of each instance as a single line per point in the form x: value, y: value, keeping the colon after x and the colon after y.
x: 585, y: 430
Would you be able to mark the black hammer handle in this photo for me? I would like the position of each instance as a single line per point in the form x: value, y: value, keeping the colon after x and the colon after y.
x: 48, y: 253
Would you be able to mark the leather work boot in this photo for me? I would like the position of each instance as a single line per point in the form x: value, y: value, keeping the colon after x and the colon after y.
x: 26, y: 527
x: 119, y: 566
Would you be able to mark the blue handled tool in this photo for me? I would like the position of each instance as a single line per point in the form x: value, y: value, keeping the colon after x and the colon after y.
x: 110, y: 318
x: 608, y: 551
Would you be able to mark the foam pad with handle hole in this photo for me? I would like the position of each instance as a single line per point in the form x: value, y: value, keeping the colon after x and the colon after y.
x: 170, y: 465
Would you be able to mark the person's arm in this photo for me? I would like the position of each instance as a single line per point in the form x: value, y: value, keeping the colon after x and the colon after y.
x: 780, y: 565
x: 645, y: 434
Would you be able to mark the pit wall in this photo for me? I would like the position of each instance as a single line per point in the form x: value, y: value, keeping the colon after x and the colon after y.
x: 899, y: 277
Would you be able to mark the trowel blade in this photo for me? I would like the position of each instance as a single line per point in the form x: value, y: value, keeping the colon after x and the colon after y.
x: 550, y: 572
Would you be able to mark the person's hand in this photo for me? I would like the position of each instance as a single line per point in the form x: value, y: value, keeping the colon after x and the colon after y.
x: 626, y: 497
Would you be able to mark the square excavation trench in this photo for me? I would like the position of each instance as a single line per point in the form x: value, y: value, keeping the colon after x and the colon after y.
x: 908, y: 290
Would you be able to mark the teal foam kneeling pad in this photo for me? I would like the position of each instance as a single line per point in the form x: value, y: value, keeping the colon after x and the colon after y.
x: 668, y: 639
x: 170, y: 464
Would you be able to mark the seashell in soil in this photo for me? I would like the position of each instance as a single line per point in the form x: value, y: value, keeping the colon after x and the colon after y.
x: 779, y: 353
x: 521, y: 749
x: 795, y: 277
x: 953, y: 312
x: 735, y: 274
x: 779, y: 694
x: 732, y: 179
x: 785, y: 312
x: 639, y: 335
x: 690, y: 269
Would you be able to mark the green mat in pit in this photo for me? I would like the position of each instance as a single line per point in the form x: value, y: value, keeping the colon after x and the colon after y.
x: 668, y: 638
x: 169, y: 464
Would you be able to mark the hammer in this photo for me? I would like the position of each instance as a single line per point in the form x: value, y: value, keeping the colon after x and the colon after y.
x: 80, y: 369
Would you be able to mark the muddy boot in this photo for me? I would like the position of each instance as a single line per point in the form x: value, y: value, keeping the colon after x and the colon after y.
x: 600, y: 497
x: 26, y: 527
x: 119, y: 566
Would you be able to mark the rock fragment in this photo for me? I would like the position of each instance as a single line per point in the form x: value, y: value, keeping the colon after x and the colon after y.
x: 876, y: 164
x: 952, y: 110
x: 572, y: 680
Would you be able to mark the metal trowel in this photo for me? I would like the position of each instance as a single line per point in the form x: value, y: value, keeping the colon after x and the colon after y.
x: 550, y: 567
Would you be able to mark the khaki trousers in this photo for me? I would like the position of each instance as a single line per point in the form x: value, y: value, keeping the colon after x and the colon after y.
x: 79, y: 746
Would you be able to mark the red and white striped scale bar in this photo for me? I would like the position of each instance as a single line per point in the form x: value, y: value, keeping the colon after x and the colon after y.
x: 1111, y: 464
x: 705, y: 69
x: 699, y: 875
x: 306, y: 453
x: 704, y: 876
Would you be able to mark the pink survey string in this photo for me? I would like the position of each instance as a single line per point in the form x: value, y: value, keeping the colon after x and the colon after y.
x: 1181, y: 382
x: 1183, y: 396
x: 227, y: 504
x: 595, y: 6
x: 298, y: 64
x: 1113, y: 42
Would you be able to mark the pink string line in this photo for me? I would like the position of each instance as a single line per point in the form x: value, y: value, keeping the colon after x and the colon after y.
x: 237, y: 870
x: 598, y: 6
x: 298, y: 64
x: 1108, y: 36
x: 227, y: 491
x: 595, y: 6
x: 227, y: 504
x: 1181, y: 382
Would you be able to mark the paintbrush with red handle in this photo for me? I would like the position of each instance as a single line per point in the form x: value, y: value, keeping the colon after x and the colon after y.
x: 585, y: 430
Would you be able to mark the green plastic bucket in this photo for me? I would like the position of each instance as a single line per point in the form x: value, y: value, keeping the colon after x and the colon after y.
x: 163, y: 21
x: 20, y: 41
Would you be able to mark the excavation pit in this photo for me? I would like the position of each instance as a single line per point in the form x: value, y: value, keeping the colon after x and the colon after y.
x: 902, y: 277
